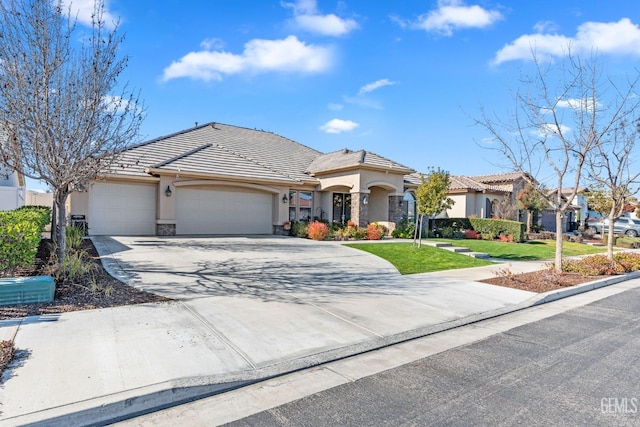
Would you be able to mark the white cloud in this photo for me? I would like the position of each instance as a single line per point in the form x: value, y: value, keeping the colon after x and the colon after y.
x: 619, y: 38
x: 306, y: 17
x: 259, y: 56
x: 375, y: 85
x: 339, y: 126
x: 335, y: 107
x: 454, y: 15
x: 212, y: 44
x: 550, y: 129
x: 545, y: 27
x: 583, y: 104
x: 84, y: 10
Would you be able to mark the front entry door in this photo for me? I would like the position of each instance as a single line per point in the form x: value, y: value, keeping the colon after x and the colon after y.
x: 341, y: 207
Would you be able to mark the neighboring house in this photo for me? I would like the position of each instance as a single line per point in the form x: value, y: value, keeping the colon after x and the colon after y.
x: 569, y: 221
x: 221, y: 179
x: 476, y: 195
x: 580, y: 211
x: 12, y: 190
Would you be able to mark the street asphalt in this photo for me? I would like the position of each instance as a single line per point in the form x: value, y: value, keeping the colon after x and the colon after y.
x: 245, y: 309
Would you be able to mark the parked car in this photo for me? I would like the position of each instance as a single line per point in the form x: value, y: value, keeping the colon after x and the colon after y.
x: 628, y: 226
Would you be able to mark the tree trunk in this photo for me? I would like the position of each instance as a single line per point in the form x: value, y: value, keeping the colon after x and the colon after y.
x: 529, y: 219
x: 558, y: 259
x: 610, y: 234
x: 61, y: 235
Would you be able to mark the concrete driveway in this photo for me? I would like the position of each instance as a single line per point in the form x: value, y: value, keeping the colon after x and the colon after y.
x: 245, y: 308
x: 270, y: 268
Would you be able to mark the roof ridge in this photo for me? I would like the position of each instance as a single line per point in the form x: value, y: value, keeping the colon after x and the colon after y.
x: 242, y: 156
x: 181, y: 156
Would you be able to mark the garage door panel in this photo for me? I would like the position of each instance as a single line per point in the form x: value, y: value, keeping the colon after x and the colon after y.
x: 211, y: 211
x: 122, y: 209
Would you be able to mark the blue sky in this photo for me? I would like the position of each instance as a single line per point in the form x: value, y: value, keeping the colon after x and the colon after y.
x: 399, y: 78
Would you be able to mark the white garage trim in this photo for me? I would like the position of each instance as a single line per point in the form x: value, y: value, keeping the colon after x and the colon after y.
x: 122, y: 209
x: 215, y: 210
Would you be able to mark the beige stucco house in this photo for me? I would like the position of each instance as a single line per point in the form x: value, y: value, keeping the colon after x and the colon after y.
x: 221, y: 179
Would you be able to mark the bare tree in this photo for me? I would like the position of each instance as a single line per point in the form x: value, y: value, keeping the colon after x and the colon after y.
x: 609, y: 167
x: 563, y: 112
x: 60, y: 103
x: 506, y: 208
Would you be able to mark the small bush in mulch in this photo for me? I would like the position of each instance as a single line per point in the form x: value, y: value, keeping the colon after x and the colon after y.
x: 81, y: 284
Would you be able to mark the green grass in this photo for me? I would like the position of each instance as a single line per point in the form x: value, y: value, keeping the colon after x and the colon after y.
x: 410, y: 260
x: 534, y: 250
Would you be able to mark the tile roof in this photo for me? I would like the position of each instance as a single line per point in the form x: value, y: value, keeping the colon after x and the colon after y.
x: 465, y: 183
x: 346, y: 158
x: 508, y: 177
x: 221, y: 150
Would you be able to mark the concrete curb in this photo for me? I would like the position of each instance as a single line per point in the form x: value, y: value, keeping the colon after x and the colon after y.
x: 131, y: 403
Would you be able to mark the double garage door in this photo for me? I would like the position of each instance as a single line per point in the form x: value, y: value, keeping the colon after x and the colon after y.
x: 223, y: 211
x: 130, y: 209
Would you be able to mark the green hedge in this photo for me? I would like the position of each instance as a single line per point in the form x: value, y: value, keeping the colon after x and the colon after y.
x: 490, y: 228
x: 458, y: 224
x: 496, y: 227
x: 20, y: 232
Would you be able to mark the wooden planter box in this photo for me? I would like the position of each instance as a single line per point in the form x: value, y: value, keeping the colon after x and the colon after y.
x: 26, y: 290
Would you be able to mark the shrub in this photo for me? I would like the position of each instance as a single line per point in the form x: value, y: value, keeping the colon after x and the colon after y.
x: 299, y: 229
x: 74, y: 237
x: 405, y: 229
x: 496, y: 227
x: 318, y: 230
x: 458, y: 235
x: 447, y: 232
x: 374, y: 231
x: 630, y: 261
x: 351, y: 224
x: 505, y: 238
x: 20, y: 234
x: 471, y: 234
x: 76, y: 265
x: 594, y: 265
x: 626, y: 242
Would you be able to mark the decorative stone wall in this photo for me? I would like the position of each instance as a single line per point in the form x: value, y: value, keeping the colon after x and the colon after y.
x: 278, y: 230
x: 397, y: 209
x: 165, y: 229
x: 360, y: 210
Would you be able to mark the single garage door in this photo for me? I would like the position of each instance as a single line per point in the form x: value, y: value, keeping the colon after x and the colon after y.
x: 122, y: 209
x: 223, y: 211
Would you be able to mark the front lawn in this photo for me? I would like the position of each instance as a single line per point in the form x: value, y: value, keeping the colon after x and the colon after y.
x: 534, y: 250
x: 409, y: 259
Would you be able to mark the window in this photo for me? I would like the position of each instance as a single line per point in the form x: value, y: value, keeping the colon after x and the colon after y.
x: 300, y: 205
x: 305, y: 203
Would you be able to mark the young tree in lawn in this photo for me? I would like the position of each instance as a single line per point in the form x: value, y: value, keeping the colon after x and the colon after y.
x: 563, y: 112
x: 431, y: 198
x: 532, y: 200
x: 60, y: 103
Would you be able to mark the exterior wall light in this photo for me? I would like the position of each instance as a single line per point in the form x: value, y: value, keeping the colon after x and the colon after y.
x: 168, y: 191
x: 285, y: 199
x: 365, y: 200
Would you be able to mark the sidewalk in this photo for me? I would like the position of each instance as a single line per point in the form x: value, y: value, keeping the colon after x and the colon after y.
x: 99, y: 365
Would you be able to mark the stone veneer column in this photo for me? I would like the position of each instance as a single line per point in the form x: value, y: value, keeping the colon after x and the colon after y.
x: 165, y: 229
x: 360, y: 210
x: 396, y: 209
